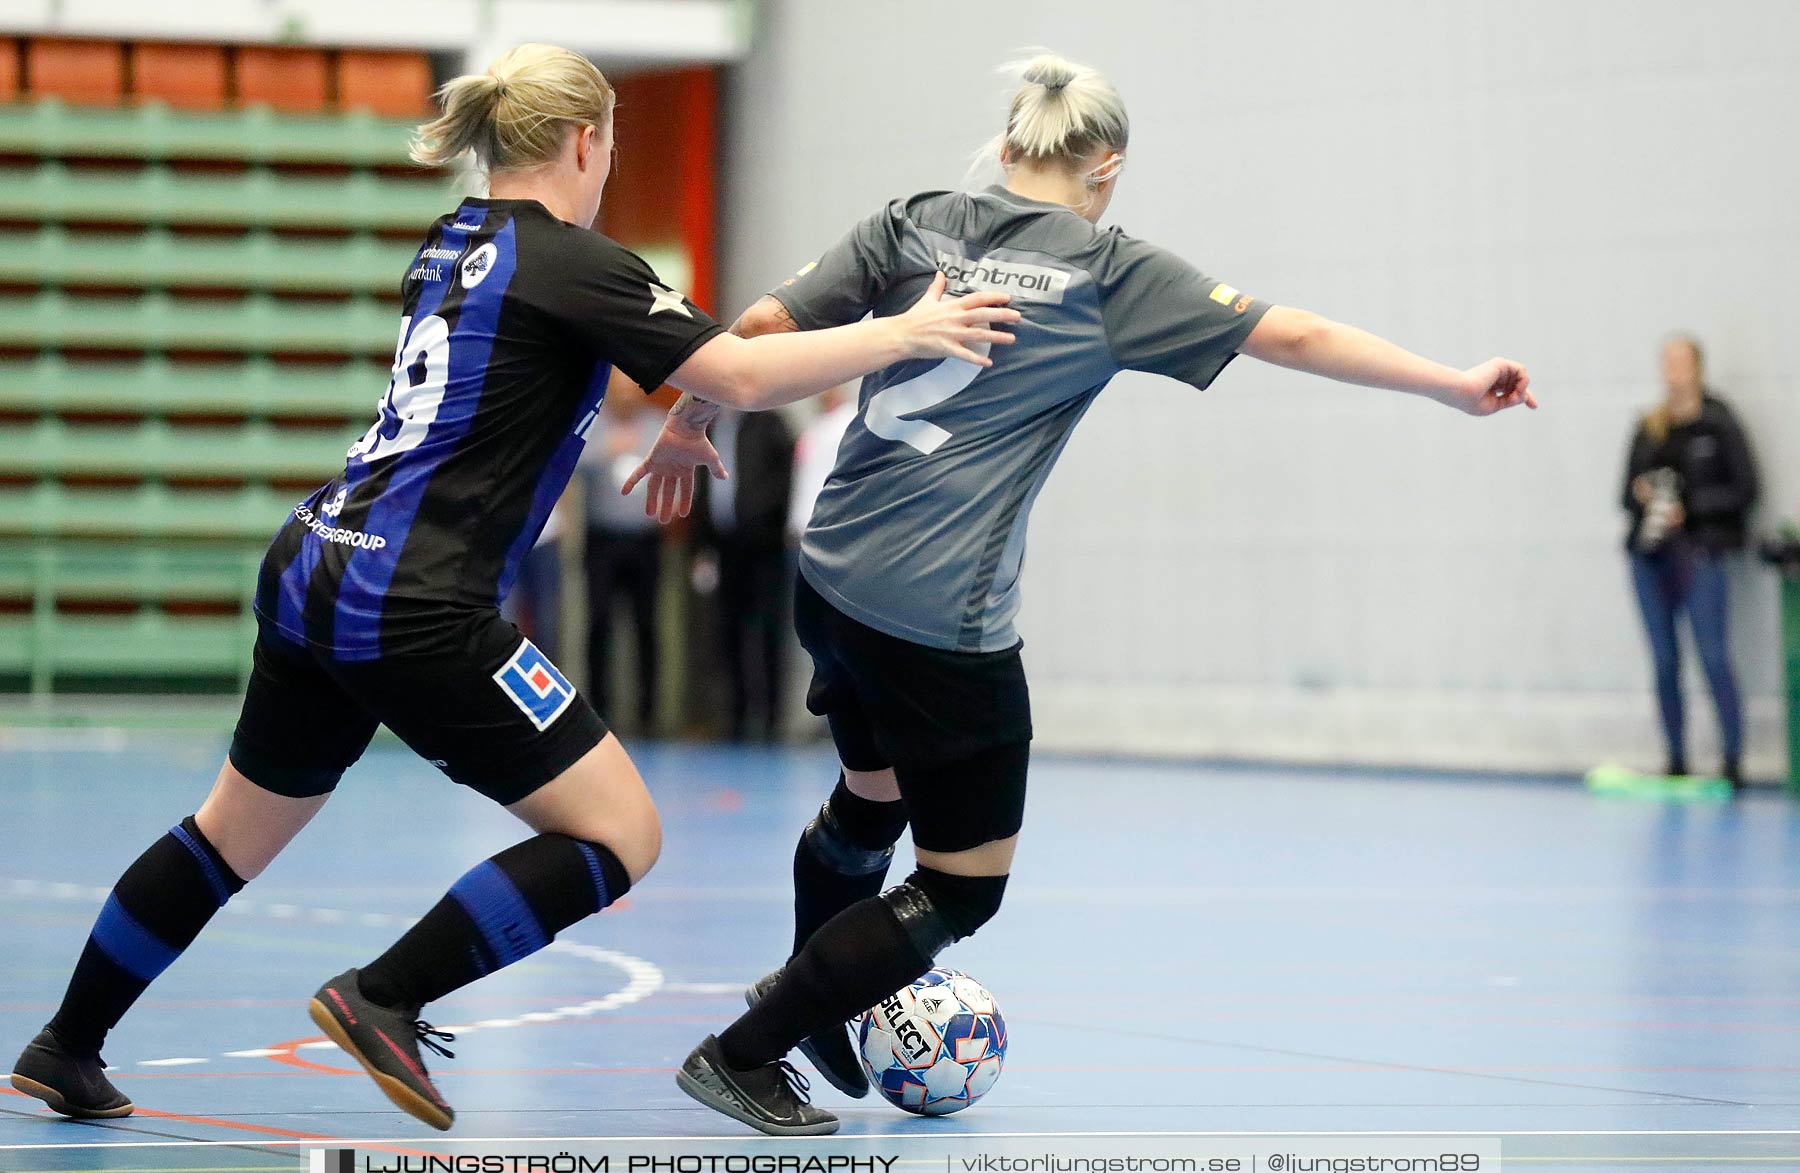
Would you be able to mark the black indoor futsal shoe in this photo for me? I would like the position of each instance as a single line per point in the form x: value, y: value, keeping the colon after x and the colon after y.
x: 71, y: 1082
x: 385, y: 1040
x: 830, y: 1050
x: 771, y: 1098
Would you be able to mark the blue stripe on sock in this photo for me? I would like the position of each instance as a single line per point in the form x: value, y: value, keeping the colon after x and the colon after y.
x: 507, y: 923
x: 593, y: 862
x: 205, y: 859
x: 135, y: 948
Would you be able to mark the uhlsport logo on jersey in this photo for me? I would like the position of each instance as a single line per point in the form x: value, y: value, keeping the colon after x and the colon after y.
x: 479, y: 265
x: 535, y: 685
x: 1024, y: 281
x: 332, y: 1161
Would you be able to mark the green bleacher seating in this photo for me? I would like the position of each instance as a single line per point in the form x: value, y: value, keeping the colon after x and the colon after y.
x: 138, y: 639
x: 148, y: 643
x: 54, y: 193
x: 155, y: 449
x: 49, y: 510
x: 155, y: 386
x: 158, y: 259
x: 153, y: 131
x: 253, y: 324
x: 247, y: 318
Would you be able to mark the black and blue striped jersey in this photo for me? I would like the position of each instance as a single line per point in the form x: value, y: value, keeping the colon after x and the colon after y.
x: 512, y: 323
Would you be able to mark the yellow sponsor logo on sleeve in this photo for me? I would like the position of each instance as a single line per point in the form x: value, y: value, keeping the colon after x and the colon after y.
x: 1224, y: 294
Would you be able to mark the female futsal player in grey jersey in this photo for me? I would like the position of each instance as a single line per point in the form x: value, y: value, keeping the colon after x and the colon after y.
x: 909, y: 569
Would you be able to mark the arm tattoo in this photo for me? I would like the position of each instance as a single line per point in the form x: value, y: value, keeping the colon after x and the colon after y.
x: 767, y: 316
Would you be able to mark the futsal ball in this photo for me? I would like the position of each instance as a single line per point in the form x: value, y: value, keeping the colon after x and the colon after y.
x: 935, y: 1047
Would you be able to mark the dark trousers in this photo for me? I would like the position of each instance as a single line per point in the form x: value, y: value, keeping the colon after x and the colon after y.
x: 1685, y: 577
x: 628, y: 565
x: 754, y: 617
x: 535, y: 604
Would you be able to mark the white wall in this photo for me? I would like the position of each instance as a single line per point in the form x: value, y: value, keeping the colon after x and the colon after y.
x: 1289, y: 568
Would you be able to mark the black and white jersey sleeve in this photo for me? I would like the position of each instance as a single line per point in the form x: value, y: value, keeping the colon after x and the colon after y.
x: 1164, y: 316
x: 610, y: 299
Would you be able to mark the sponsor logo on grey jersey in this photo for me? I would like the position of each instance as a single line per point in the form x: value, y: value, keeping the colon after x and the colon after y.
x: 1023, y: 281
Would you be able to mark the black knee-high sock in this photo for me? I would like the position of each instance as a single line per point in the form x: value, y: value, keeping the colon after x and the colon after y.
x: 154, y: 912
x: 859, y: 957
x: 842, y: 857
x: 501, y: 910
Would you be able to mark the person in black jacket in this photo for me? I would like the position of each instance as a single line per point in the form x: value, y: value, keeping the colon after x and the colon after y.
x: 1689, y: 484
x: 745, y: 520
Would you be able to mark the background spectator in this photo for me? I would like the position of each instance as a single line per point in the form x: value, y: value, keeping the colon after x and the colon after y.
x: 816, y: 451
x: 535, y: 604
x: 624, y: 555
x: 744, y: 519
x: 1690, y: 482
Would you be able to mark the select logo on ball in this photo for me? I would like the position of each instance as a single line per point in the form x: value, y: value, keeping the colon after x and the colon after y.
x: 935, y: 1047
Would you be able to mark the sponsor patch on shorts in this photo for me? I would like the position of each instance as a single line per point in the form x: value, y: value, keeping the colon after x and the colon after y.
x: 535, y: 685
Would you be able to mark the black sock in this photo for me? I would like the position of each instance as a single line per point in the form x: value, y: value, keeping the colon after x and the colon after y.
x: 827, y: 877
x: 501, y: 910
x: 858, y: 958
x: 154, y: 912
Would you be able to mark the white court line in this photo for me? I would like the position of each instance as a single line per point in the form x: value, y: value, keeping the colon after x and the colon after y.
x: 704, y: 988
x: 908, y: 1138
x: 642, y: 978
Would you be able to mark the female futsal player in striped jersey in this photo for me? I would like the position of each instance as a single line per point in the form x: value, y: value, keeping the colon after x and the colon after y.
x: 378, y: 599
x: 909, y: 569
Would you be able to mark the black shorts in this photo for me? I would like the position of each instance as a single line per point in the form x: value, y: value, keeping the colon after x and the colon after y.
x: 955, y: 727
x: 495, y: 714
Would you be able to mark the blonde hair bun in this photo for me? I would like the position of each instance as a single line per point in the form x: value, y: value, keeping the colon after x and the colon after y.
x: 1063, y: 110
x: 517, y: 113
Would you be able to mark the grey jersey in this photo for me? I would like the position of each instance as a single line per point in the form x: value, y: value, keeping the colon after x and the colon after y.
x: 920, y: 529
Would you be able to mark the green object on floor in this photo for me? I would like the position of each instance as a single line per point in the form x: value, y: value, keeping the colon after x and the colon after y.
x: 1622, y: 782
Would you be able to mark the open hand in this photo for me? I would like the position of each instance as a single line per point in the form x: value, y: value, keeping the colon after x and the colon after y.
x: 935, y: 328
x: 669, y: 471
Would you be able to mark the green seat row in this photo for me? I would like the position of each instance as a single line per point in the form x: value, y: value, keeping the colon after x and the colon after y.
x: 46, y: 644
x: 158, y: 259
x: 144, y: 644
x: 52, y: 193
x: 150, y: 511
x: 146, y: 572
x: 255, y: 323
x: 48, y: 128
x: 153, y: 386
x: 156, y: 449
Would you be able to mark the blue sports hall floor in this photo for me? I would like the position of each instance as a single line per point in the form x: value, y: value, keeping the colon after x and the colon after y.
x: 1210, y: 959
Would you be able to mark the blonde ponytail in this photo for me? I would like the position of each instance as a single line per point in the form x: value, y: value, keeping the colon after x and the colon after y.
x: 517, y: 113
x: 1063, y: 111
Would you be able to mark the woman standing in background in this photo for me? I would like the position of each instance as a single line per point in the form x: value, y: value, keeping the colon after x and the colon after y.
x: 1689, y: 484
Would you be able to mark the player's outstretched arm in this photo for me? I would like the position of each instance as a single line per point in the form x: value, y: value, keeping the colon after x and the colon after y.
x: 765, y: 362
x: 1304, y: 341
x: 756, y: 374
